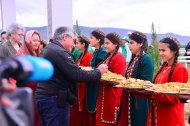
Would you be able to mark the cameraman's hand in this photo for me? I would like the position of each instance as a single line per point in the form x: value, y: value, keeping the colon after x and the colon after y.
x: 5, y: 101
x: 7, y: 87
x: 103, y: 68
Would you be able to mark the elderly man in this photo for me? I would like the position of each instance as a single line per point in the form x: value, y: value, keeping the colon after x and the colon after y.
x: 55, y: 96
x: 15, y: 33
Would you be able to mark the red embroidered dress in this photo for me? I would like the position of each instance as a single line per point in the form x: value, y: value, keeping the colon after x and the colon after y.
x: 85, y: 61
x: 78, y: 111
x: 166, y: 110
x: 108, y: 104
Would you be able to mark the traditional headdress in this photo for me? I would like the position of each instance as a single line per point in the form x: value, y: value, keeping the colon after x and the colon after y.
x: 98, y: 33
x: 113, y: 37
x: 170, y: 38
x: 85, y: 38
x: 139, y: 37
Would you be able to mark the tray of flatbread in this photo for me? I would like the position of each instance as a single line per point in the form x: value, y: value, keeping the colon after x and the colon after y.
x: 130, y: 88
x: 112, y: 78
x: 132, y: 83
x: 171, y: 88
x: 184, y: 91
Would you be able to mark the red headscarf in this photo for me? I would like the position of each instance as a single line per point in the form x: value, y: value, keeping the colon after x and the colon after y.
x: 26, y: 48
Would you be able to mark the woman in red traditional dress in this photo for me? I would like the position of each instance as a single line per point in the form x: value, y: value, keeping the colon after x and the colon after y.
x: 31, y: 46
x: 167, y: 110
x: 78, y: 111
x: 108, y: 103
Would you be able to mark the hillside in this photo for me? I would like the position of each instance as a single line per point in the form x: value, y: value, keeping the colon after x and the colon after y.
x: 122, y: 32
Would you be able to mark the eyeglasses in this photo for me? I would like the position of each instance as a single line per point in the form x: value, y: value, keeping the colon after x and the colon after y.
x: 21, y: 35
x: 68, y: 35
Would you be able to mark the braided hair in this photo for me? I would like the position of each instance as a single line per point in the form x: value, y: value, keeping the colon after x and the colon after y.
x: 115, y: 39
x: 173, y: 45
x: 99, y: 35
x: 83, y: 39
x: 138, y: 37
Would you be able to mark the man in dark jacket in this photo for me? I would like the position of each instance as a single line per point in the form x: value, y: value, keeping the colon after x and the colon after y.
x: 54, y: 97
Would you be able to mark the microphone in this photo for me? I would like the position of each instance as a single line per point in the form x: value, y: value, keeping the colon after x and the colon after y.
x: 26, y: 68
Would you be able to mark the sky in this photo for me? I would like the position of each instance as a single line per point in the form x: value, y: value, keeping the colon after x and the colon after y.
x: 167, y: 15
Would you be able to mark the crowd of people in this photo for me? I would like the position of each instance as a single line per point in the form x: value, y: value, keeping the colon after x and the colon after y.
x: 76, y: 97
